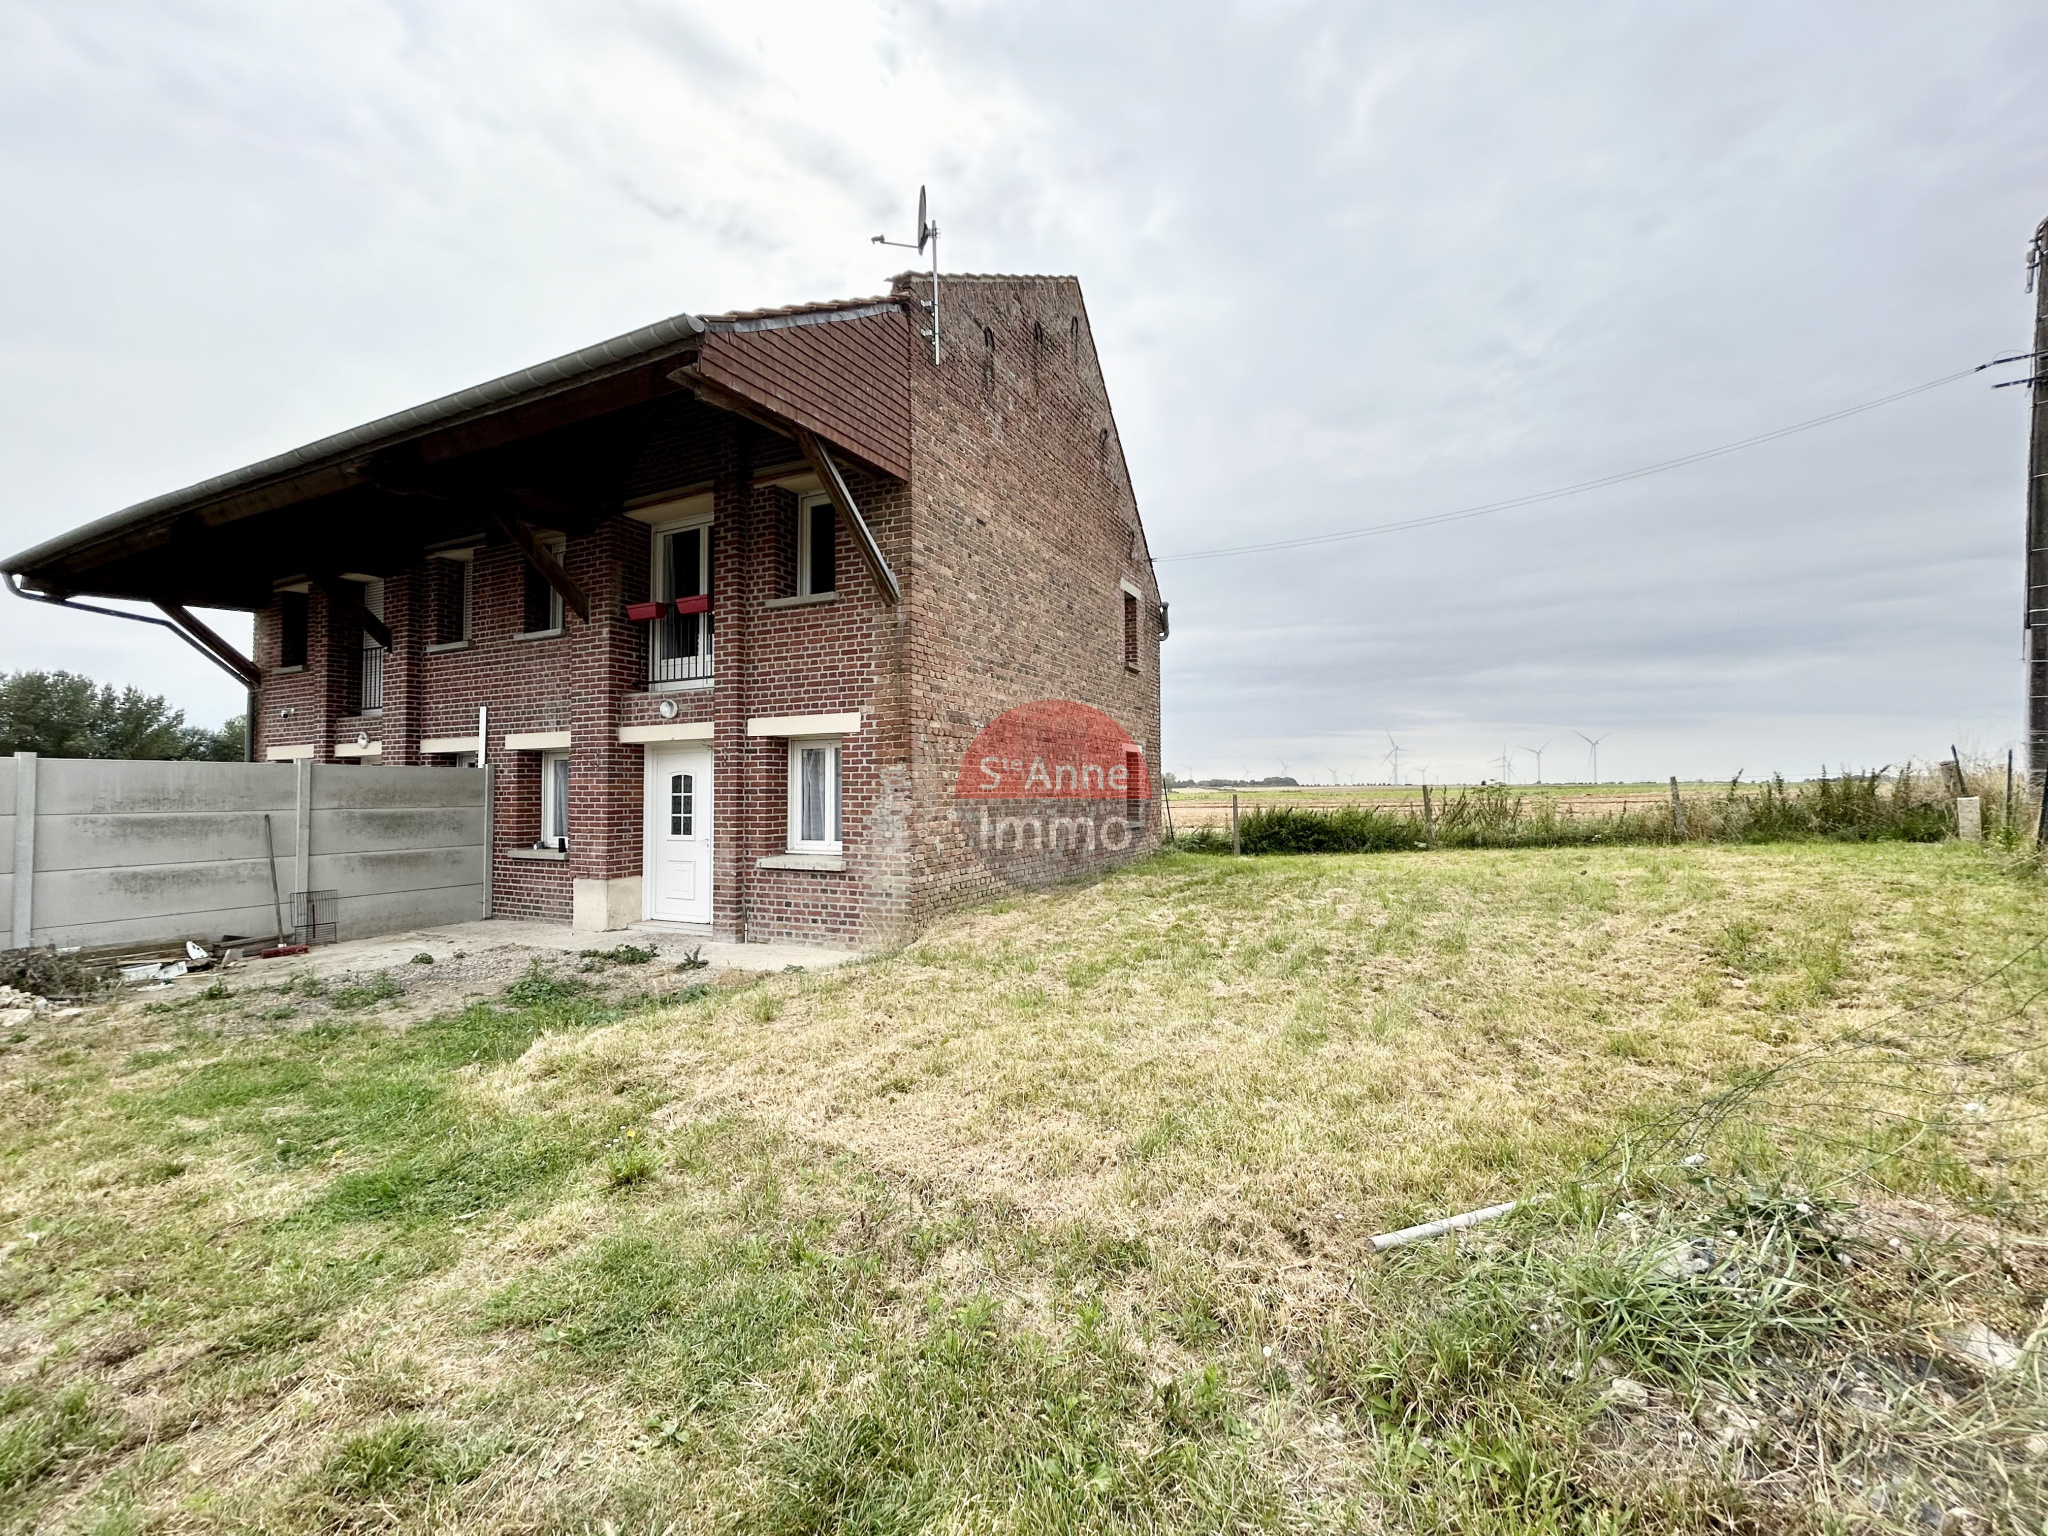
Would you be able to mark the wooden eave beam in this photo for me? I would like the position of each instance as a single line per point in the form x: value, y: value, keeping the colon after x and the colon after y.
x: 221, y: 651
x: 521, y: 533
x: 344, y: 596
x: 819, y: 457
x: 727, y: 400
x: 503, y: 511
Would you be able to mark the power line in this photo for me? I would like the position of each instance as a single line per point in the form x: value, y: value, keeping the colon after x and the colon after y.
x: 1435, y: 518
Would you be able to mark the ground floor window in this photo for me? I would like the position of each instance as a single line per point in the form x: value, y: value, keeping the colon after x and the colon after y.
x: 554, y: 800
x: 814, y: 821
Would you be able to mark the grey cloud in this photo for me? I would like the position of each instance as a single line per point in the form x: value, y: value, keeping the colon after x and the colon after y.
x: 1345, y: 264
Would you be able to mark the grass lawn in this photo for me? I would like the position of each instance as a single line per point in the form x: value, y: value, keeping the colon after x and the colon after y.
x: 1060, y: 1217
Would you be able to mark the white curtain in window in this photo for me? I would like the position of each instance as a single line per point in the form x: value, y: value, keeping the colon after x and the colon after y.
x: 818, y: 774
x: 558, y: 799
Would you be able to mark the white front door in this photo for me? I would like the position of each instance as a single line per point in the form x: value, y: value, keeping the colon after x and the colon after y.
x: 677, y: 864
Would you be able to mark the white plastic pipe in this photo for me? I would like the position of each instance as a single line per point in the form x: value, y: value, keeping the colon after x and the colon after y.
x: 1388, y: 1240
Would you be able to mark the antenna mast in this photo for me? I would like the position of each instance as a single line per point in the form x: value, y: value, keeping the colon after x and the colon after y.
x: 2037, y: 526
x: 927, y: 233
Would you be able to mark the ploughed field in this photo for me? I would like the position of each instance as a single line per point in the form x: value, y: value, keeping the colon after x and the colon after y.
x: 1061, y: 1217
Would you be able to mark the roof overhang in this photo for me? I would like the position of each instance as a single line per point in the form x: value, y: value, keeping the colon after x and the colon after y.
x: 547, y: 443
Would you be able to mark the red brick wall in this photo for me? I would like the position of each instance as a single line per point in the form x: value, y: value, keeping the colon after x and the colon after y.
x: 1009, y: 541
x: 1025, y: 526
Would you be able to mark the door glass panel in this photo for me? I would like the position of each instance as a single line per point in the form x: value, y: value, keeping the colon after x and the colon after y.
x: 682, y: 804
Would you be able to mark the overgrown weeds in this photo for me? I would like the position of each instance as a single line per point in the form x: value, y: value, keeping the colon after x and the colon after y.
x: 1880, y: 805
x: 618, y: 954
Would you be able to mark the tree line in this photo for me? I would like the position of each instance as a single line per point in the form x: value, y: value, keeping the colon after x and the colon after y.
x: 61, y: 714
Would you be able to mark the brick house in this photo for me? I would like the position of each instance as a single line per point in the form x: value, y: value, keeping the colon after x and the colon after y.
x: 722, y: 602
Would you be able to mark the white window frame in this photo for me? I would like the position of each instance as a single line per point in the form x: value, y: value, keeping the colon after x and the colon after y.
x: 657, y: 581
x: 835, y: 778
x: 553, y: 814
x: 657, y: 568
x: 806, y: 510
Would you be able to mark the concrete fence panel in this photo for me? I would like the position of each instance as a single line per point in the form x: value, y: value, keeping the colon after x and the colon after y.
x: 115, y: 852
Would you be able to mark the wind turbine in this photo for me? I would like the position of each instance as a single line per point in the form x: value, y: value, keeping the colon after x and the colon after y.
x: 1593, y: 749
x: 1394, y: 755
x: 1507, y: 765
x: 1537, y: 753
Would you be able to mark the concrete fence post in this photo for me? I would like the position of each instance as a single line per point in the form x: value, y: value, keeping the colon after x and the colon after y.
x: 1970, y: 818
x: 1677, y: 810
x: 24, y: 849
x: 490, y: 829
x: 302, y: 844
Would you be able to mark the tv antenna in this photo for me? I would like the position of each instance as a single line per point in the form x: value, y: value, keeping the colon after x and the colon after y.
x: 927, y: 234
x: 1395, y: 749
x: 1593, y: 750
x: 1537, y: 753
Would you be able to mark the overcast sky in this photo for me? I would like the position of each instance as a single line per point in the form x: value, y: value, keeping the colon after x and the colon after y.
x: 1347, y: 264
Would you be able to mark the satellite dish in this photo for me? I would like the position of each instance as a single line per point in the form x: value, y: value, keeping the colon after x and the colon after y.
x: 927, y: 235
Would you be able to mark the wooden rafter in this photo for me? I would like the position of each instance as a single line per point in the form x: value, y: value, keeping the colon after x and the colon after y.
x: 218, y: 648
x: 819, y: 457
x: 504, y: 511
x: 348, y: 597
x: 521, y: 533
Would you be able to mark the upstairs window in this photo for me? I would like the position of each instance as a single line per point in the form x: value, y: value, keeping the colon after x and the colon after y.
x: 291, y: 629
x: 541, y: 609
x: 681, y: 642
x: 817, y: 546
x: 1131, y: 630
x: 448, y: 598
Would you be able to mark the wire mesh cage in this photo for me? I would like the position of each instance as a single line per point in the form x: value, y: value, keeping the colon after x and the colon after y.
x: 314, y: 915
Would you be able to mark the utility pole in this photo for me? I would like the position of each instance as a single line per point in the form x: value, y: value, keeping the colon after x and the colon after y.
x: 2037, y: 526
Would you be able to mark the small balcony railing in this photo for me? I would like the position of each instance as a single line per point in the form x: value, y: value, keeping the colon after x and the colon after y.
x: 679, y: 647
x: 373, y: 678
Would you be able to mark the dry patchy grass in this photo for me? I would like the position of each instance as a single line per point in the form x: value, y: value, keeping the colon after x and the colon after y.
x: 1059, y: 1217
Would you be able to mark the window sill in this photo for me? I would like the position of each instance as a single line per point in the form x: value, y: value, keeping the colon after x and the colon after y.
x: 537, y: 634
x: 1130, y: 666
x: 824, y: 861
x: 287, y: 671
x: 444, y: 645
x: 806, y: 600
x: 683, y: 685
x: 538, y: 855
